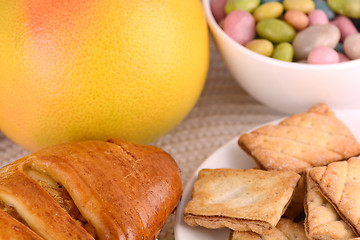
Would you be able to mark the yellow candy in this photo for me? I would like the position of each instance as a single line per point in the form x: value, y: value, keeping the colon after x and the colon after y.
x: 261, y: 46
x: 304, y: 6
x: 268, y: 10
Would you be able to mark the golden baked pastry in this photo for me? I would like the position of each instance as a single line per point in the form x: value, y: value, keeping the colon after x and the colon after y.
x: 339, y: 183
x: 240, y: 199
x: 89, y: 190
x: 10, y: 228
x: 322, y: 220
x: 314, y: 138
x: 286, y: 229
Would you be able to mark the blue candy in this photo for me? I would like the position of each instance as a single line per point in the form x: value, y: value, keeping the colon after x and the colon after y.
x: 323, y: 5
x: 340, y: 48
x: 265, y: 1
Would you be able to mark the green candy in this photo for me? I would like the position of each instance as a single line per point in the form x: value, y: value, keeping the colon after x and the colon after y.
x: 283, y: 51
x: 245, y: 5
x: 275, y: 30
x: 349, y: 8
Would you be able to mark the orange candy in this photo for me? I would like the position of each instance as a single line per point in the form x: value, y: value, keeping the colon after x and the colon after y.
x: 296, y: 19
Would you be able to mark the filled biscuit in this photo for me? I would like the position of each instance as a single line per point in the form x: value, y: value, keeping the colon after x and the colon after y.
x: 240, y: 199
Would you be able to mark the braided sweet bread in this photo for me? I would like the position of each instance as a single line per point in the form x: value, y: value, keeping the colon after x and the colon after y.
x: 89, y: 190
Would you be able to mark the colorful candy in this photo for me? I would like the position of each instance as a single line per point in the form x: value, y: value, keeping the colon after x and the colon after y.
x: 324, y: 6
x: 348, y: 8
x: 240, y: 26
x: 294, y: 30
x: 284, y: 51
x: 323, y: 55
x: 352, y: 46
x: 218, y: 9
x: 343, y: 57
x: 304, y: 6
x: 268, y: 10
x: 340, y: 48
x: 321, y: 35
x: 261, y: 46
x: 297, y: 19
x: 317, y: 16
x: 266, y: 1
x: 345, y: 26
x: 275, y: 30
x: 245, y: 5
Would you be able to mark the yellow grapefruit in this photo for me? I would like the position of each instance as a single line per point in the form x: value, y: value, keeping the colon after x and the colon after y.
x: 76, y: 70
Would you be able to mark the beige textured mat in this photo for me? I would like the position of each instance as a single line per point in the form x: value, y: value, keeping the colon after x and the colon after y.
x: 223, y: 111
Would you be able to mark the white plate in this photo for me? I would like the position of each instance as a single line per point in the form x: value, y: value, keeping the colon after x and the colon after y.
x: 231, y: 156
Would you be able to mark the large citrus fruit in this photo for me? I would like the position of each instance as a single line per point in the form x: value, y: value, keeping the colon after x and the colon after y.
x: 94, y: 69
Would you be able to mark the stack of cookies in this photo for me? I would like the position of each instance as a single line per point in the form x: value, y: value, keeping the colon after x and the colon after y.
x: 307, y: 185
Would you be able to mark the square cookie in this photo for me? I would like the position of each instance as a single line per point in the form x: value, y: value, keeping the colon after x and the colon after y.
x: 314, y: 138
x: 240, y: 199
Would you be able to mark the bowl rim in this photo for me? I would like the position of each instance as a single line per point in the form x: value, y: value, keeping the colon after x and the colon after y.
x: 214, y: 26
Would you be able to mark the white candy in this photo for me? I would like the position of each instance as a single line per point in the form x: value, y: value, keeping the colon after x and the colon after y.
x: 352, y: 46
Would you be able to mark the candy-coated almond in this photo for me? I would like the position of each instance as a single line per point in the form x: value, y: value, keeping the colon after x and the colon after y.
x: 240, y: 26
x: 321, y: 35
x: 245, y: 5
x: 343, y: 57
x: 283, y: 51
x: 268, y: 10
x: 297, y: 19
x: 275, y: 30
x: 350, y: 8
x: 352, y: 46
x: 261, y: 46
x: 323, y: 55
x: 345, y: 25
x: 304, y: 6
x: 317, y: 16
x: 218, y: 9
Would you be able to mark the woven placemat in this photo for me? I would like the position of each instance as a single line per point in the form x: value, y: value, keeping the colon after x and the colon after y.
x: 223, y: 111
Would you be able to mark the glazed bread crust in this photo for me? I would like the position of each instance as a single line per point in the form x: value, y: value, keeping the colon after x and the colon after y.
x: 123, y: 190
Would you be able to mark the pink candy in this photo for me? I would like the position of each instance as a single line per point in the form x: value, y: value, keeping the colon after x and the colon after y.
x: 317, y: 17
x: 323, y: 55
x: 343, y: 57
x: 240, y: 26
x: 218, y: 9
x: 345, y: 26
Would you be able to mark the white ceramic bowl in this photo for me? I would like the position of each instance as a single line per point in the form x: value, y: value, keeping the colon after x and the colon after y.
x: 286, y: 86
